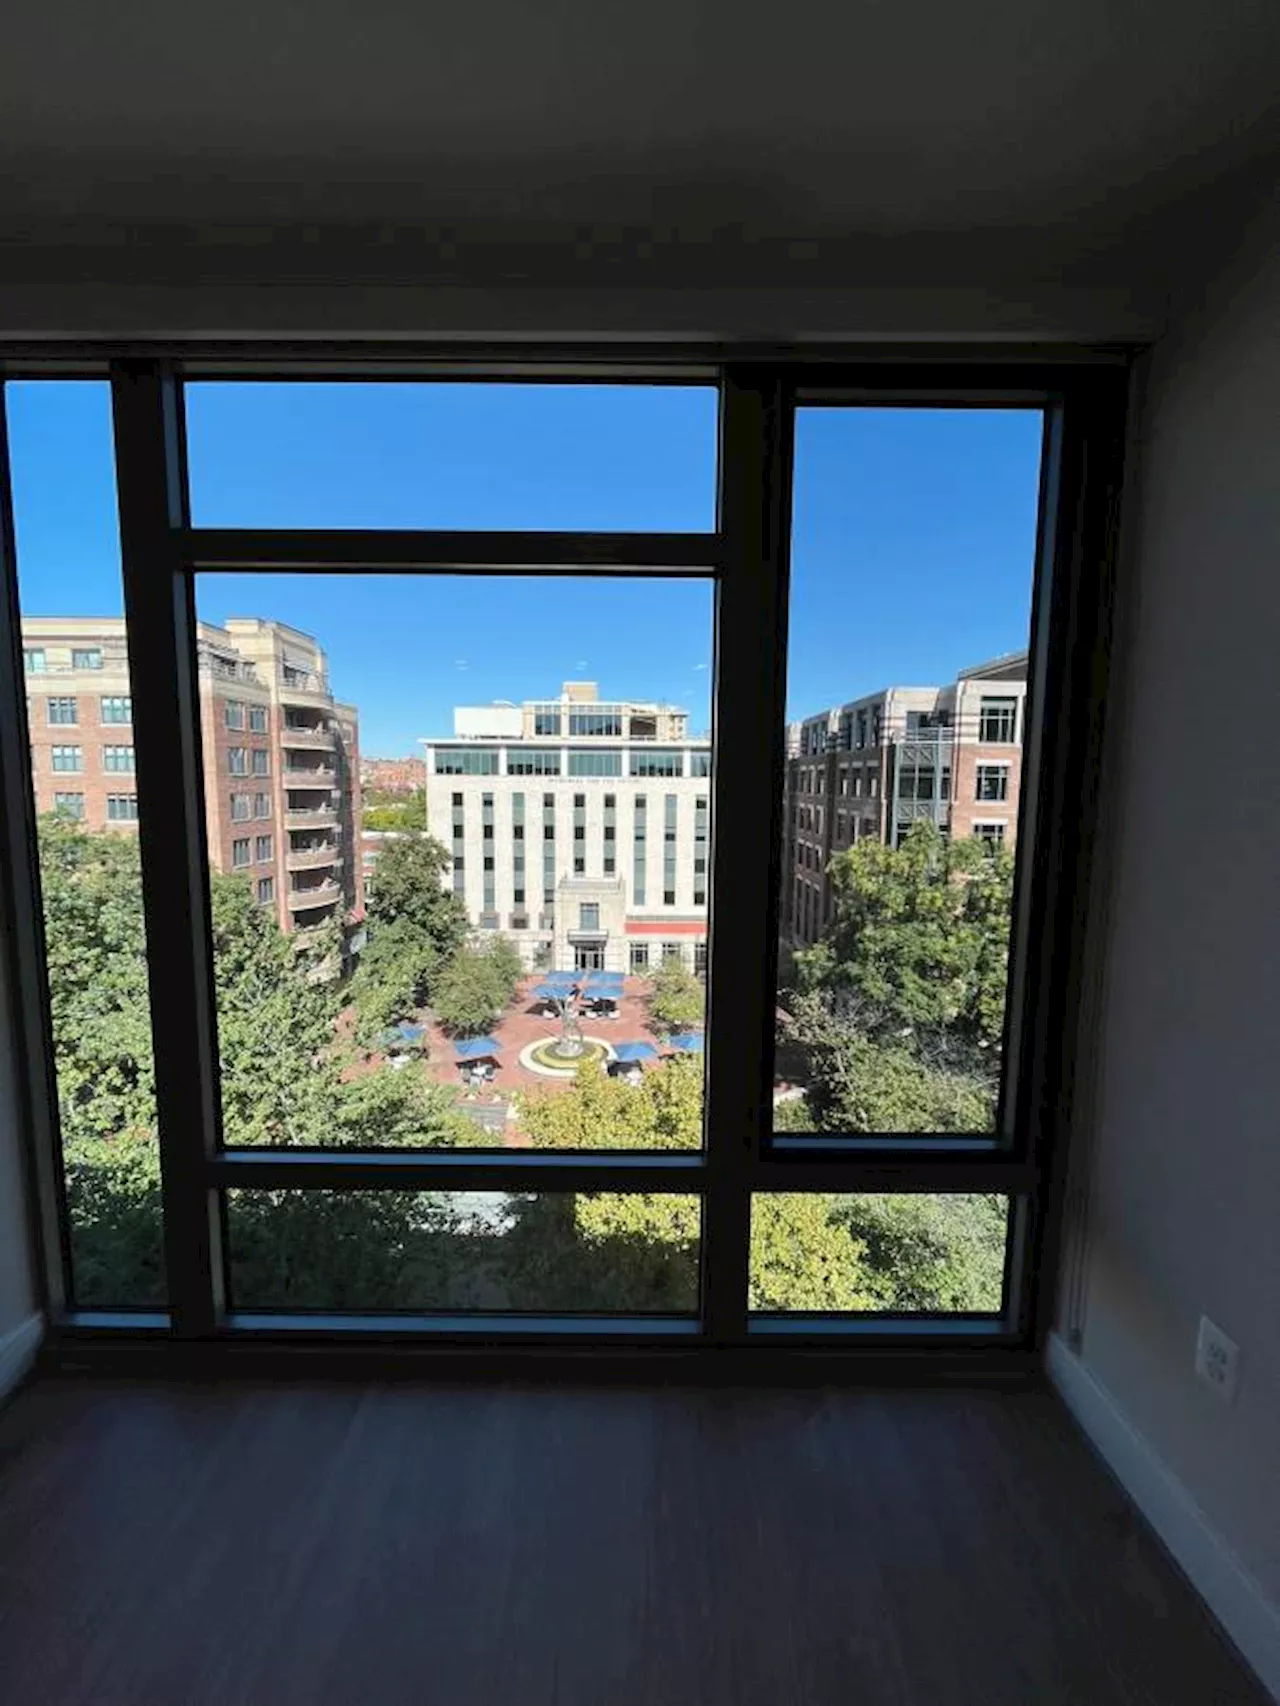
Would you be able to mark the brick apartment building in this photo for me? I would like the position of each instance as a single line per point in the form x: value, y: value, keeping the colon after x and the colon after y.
x: 280, y: 754
x: 394, y: 775
x: 950, y: 755
x: 580, y: 827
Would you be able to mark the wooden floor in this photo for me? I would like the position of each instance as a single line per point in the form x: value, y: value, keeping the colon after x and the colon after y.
x: 166, y: 1546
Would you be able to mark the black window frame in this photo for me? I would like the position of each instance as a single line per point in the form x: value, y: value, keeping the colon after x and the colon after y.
x: 1083, y: 394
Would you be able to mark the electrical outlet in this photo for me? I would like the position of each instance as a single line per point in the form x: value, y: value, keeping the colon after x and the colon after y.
x: 1217, y: 1360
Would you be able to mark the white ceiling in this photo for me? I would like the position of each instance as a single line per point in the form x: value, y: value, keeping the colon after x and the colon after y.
x: 870, y: 138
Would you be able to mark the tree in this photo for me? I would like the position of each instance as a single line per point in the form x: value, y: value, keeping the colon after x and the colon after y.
x: 942, y: 1253
x: 474, y: 989
x: 395, y: 812
x: 414, y: 928
x: 677, y: 997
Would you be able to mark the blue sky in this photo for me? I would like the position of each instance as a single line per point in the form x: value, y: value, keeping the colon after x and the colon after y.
x: 912, y: 551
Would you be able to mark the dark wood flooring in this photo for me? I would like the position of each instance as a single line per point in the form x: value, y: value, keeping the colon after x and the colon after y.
x: 407, y: 1543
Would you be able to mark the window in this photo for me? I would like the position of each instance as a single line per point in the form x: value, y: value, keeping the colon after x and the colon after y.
x: 239, y: 853
x: 237, y: 761
x: 90, y: 657
x: 262, y: 849
x: 63, y: 711
x: 607, y: 723
x: 991, y: 833
x: 657, y: 763
x: 118, y: 758
x: 262, y: 805
x: 546, y: 723
x: 997, y: 720
x: 33, y: 660
x: 115, y: 708
x: 855, y: 1101
x: 525, y: 762
x: 266, y: 890
x: 258, y: 719
x: 589, y: 915
x: 70, y: 804
x: 261, y: 761
x: 233, y: 714
x: 122, y: 808
x: 946, y: 1056
x: 460, y: 761
x: 67, y: 758
x: 595, y: 764
x: 639, y: 850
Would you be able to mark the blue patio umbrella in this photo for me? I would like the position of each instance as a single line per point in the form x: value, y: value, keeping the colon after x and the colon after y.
x: 552, y: 991
x: 604, y: 980
x: 564, y: 979
x: 627, y: 1052
x: 688, y: 1042
x: 410, y: 1033
x: 476, y: 1048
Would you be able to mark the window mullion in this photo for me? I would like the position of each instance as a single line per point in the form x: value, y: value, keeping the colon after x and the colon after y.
x: 147, y: 412
x: 755, y: 500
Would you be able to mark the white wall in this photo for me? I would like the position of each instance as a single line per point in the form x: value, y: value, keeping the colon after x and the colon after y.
x: 1184, y: 1133
x: 19, y: 1322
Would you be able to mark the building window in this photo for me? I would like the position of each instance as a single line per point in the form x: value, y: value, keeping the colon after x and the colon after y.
x: 266, y: 890
x: 116, y: 708
x: 600, y: 723
x: 579, y: 835
x: 595, y: 764
x: 639, y: 851
x: 71, y: 805
x: 262, y: 805
x: 261, y: 761
x: 119, y: 759
x: 672, y: 951
x: 657, y: 763
x: 548, y: 849
x: 997, y: 721
x: 532, y: 762
x: 589, y: 915
x: 240, y: 804
x: 122, y: 808
x: 258, y: 719
x: 700, y: 958
x: 639, y: 956
x: 517, y: 849
x: 237, y: 761
x: 239, y: 854
x: 991, y: 833
x: 67, y: 758
x: 33, y: 660
x: 700, y: 762
x: 610, y: 834
x: 90, y: 657
x: 262, y: 849
x: 463, y: 761
x: 546, y: 723
x: 700, y: 850
x: 63, y: 711
x: 233, y: 712
x: 991, y: 782
x: 669, y: 850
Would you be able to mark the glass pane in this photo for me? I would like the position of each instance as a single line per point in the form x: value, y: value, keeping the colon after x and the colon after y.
x: 635, y: 458
x: 549, y: 1253
x: 912, y: 563
x: 80, y: 719
x: 432, y: 927
x: 859, y: 1254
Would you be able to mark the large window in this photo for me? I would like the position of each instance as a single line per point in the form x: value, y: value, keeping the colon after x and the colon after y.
x: 411, y: 1077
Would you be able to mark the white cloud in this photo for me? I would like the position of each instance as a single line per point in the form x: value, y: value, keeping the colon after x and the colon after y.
x: 460, y: 663
x: 698, y: 666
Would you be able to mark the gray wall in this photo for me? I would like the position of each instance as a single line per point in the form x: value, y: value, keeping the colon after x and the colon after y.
x: 1184, y: 1138
x: 17, y: 1292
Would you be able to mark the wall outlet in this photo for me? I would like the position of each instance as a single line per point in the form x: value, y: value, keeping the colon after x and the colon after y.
x: 1217, y: 1360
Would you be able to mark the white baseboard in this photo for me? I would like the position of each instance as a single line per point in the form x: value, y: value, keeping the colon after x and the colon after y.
x: 18, y: 1351
x: 1234, y: 1595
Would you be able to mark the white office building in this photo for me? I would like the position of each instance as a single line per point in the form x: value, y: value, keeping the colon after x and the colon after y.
x: 580, y: 828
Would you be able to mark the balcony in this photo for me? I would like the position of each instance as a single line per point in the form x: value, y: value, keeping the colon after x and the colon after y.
x: 309, y: 776
x: 304, y: 687
x: 313, y: 858
x: 320, y: 894
x: 313, y: 737
x: 319, y: 817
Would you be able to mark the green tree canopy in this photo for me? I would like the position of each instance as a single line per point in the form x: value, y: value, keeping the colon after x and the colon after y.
x: 474, y: 989
x: 677, y: 997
